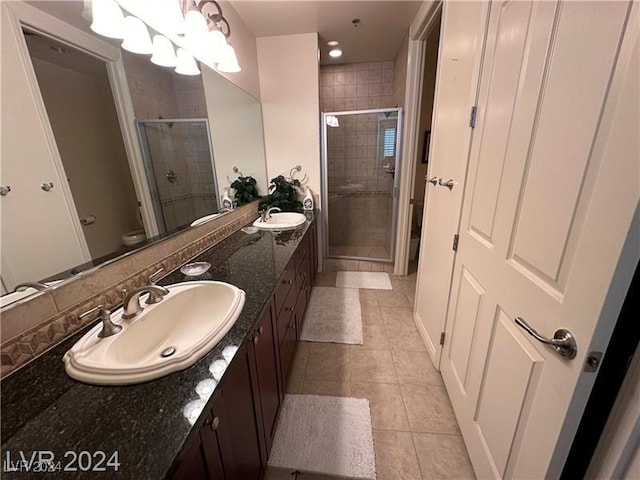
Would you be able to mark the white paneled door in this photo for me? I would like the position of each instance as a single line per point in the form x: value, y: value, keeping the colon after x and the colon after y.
x: 463, y: 30
x: 552, y: 189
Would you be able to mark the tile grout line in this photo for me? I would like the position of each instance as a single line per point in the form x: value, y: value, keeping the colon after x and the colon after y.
x: 404, y: 405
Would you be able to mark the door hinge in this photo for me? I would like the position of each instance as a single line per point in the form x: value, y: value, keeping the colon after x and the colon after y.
x: 472, y: 116
x: 455, y: 242
x: 442, y: 335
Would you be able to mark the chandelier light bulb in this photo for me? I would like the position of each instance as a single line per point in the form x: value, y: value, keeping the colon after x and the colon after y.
x: 163, y: 52
x: 168, y: 17
x: 228, y: 62
x: 136, y: 36
x: 108, y: 19
x: 186, y: 63
x: 195, y: 25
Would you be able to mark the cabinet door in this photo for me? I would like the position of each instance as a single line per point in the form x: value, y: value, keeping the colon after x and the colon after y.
x: 265, y: 346
x: 313, y: 257
x: 238, y: 430
x: 209, y: 442
x: 287, y: 348
x: 301, y: 305
x: 193, y: 465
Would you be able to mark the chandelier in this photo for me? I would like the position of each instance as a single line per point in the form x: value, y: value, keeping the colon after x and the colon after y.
x: 173, y: 32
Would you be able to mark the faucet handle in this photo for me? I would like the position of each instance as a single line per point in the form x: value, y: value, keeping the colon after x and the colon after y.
x: 94, y: 313
x: 155, y: 276
x: 108, y: 327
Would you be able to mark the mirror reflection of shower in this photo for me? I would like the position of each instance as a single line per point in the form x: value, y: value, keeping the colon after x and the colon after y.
x: 360, y: 166
x: 178, y: 160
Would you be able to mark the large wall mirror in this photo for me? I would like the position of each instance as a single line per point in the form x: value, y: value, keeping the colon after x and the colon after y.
x: 104, y: 152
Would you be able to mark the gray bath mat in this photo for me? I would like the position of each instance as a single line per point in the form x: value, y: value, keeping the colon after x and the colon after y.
x: 333, y: 315
x: 371, y: 280
x: 329, y: 435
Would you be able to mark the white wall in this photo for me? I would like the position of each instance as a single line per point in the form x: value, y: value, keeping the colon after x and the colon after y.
x: 244, y: 43
x: 288, y: 70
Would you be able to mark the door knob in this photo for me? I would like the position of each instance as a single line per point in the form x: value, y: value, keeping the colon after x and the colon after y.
x: 46, y: 186
x: 563, y: 340
x: 432, y: 180
x: 448, y: 183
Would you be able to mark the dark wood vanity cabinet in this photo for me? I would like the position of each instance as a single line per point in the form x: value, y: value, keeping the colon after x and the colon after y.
x: 228, y: 443
x: 235, y: 439
x: 267, y: 367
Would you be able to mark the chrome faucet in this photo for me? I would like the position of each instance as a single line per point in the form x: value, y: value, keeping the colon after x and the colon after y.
x: 23, y: 286
x: 266, y: 213
x: 131, y: 302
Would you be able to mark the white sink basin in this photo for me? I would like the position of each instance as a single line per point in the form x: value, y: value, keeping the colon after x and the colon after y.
x: 281, y: 221
x: 191, y: 319
x: 205, y: 219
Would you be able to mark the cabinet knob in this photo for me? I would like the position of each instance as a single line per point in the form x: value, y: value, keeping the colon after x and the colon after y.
x: 288, y: 309
x: 292, y: 325
x: 260, y: 330
x: 212, y: 423
x: 255, y: 339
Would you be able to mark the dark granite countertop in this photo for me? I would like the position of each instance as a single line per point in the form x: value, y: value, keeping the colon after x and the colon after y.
x: 45, y: 410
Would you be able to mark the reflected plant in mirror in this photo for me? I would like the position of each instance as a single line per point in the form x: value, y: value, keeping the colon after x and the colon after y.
x: 283, y: 193
x: 130, y: 152
x: 246, y: 190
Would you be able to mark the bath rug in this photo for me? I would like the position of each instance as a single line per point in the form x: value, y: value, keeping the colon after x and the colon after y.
x: 370, y: 280
x: 333, y: 316
x: 328, y: 435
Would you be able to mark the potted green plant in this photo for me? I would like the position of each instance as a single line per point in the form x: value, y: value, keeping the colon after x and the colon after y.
x: 283, y: 194
x: 246, y: 189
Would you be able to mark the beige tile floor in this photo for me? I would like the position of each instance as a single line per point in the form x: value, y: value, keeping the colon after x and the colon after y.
x: 415, y: 432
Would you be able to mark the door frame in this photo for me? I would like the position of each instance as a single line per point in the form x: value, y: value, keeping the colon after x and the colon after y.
x: 21, y: 16
x: 425, y: 20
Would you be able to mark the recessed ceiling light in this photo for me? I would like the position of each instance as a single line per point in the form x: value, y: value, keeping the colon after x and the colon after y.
x: 333, y: 43
x: 335, y: 53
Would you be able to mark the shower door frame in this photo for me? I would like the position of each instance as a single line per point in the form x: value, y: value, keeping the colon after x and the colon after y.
x: 150, y: 171
x: 396, y: 182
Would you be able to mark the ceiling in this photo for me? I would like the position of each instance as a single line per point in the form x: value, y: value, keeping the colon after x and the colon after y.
x: 383, y: 24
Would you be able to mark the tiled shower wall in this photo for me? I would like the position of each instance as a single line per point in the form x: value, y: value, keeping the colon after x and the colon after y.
x: 360, y: 188
x: 183, y: 148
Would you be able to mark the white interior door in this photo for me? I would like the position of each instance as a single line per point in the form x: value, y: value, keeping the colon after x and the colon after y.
x: 552, y: 189
x: 461, y: 39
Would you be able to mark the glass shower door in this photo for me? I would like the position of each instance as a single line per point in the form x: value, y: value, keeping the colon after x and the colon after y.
x: 178, y: 158
x: 361, y: 171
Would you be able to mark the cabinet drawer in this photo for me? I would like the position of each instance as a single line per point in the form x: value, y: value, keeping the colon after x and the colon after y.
x: 301, y: 306
x: 301, y: 256
x: 284, y: 285
x: 286, y: 317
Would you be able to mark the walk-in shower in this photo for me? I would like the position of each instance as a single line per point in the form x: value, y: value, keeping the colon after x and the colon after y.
x: 361, y: 166
x: 178, y: 160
